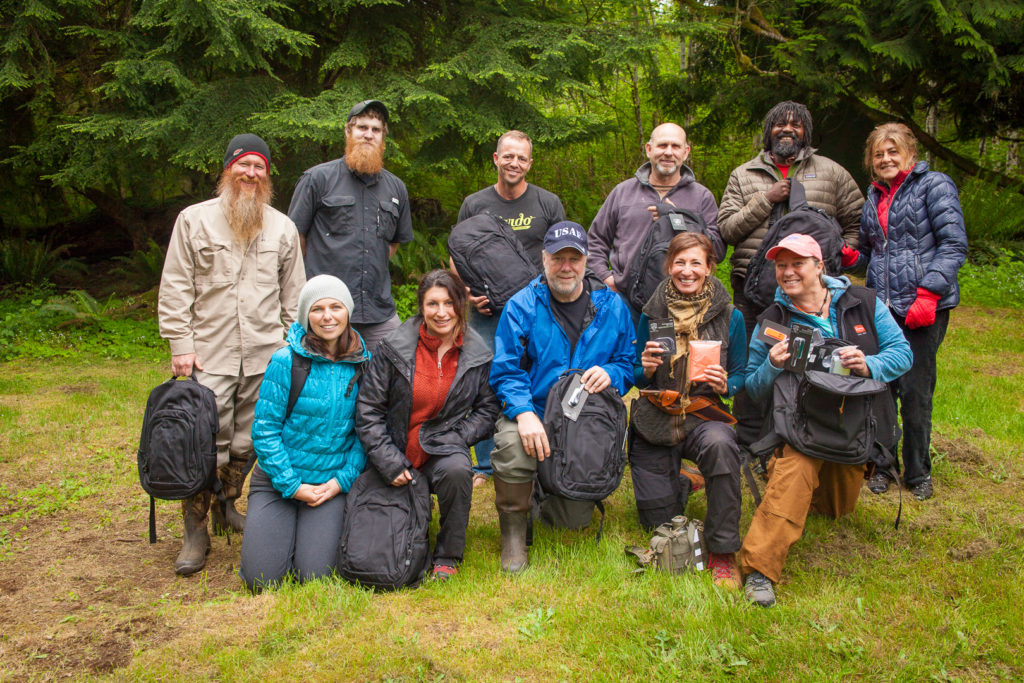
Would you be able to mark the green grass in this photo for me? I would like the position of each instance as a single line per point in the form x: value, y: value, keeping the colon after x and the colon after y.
x: 938, y: 599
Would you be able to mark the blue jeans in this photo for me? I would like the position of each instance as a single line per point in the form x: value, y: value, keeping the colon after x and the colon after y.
x: 486, y: 326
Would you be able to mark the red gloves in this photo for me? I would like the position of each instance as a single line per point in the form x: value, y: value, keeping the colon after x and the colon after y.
x: 922, y: 311
x: 850, y: 256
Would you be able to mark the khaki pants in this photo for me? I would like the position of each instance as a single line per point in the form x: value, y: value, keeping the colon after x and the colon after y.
x: 797, y: 484
x: 236, y: 407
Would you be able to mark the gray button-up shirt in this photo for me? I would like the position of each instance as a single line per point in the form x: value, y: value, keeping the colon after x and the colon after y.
x: 349, y: 222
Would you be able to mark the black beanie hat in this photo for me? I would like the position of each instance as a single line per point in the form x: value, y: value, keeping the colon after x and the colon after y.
x: 243, y: 144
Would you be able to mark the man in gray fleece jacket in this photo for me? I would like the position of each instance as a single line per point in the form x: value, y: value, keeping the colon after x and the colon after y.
x: 622, y: 222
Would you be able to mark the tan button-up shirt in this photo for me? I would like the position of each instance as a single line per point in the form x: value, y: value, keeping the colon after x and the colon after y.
x: 229, y: 303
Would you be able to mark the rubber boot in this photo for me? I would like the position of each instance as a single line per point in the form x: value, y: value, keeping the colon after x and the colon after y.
x: 196, y: 545
x: 231, y: 478
x: 229, y: 519
x: 513, y: 504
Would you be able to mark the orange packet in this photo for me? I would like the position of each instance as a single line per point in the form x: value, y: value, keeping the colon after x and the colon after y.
x: 703, y: 354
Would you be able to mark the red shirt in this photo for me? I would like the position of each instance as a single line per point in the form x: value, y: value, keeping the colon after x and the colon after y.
x: 430, y: 384
x: 784, y: 170
x: 885, y: 199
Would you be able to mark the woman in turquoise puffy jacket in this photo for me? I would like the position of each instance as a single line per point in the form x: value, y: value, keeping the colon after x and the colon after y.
x: 309, y: 457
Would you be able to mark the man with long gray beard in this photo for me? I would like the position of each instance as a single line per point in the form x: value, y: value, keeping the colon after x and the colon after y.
x: 352, y: 215
x: 229, y: 290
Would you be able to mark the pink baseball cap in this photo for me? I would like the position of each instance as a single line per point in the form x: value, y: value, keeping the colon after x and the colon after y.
x: 801, y: 245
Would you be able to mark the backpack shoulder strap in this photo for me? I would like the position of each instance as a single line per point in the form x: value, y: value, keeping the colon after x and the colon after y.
x: 797, y: 194
x: 300, y: 372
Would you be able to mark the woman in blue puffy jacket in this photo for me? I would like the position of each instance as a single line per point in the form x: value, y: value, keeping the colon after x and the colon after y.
x: 309, y: 457
x: 913, y: 242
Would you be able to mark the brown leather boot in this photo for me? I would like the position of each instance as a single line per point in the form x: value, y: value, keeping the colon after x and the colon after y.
x: 231, y: 479
x: 196, y: 546
x: 513, y: 504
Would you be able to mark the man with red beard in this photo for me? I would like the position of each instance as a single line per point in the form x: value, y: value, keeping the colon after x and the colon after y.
x: 229, y: 290
x: 352, y: 215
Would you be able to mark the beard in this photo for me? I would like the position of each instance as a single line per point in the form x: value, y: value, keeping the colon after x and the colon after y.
x: 243, y: 207
x: 363, y: 158
x: 564, y: 291
x: 785, y: 147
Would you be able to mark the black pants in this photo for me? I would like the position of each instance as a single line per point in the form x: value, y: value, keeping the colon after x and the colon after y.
x: 914, y: 392
x: 750, y: 416
x: 660, y: 495
x: 451, y: 478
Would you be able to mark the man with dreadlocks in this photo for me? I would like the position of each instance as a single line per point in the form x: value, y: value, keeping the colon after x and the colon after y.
x: 758, y: 190
x: 229, y: 290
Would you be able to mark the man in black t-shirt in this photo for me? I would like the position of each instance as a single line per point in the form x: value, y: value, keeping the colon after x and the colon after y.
x: 530, y: 211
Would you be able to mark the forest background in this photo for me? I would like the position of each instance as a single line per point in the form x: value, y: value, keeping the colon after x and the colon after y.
x: 114, y: 115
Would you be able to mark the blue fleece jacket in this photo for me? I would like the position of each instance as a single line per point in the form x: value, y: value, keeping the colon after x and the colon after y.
x: 531, y: 350
x: 893, y: 359
x: 318, y: 441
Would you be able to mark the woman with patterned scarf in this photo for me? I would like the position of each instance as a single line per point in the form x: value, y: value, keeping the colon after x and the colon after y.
x: 679, y: 416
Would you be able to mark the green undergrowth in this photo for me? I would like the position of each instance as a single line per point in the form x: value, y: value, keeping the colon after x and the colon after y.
x: 40, y: 323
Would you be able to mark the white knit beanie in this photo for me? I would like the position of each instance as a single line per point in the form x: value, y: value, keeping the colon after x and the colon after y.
x: 323, y: 287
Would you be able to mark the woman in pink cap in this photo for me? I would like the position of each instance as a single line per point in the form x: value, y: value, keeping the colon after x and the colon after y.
x: 798, y: 483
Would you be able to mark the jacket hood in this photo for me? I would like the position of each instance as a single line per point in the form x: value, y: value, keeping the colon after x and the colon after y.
x: 643, y: 175
x: 296, y: 334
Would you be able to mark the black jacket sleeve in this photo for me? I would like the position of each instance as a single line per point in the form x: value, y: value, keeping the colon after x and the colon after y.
x: 372, y: 408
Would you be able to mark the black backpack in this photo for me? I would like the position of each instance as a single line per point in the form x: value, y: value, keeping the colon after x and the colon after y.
x: 647, y: 268
x: 490, y: 259
x: 384, y: 542
x: 178, y: 447
x: 588, y: 454
x: 803, y: 218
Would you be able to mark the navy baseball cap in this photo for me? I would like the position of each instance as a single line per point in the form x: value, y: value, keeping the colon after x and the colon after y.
x: 376, y: 105
x: 565, y: 234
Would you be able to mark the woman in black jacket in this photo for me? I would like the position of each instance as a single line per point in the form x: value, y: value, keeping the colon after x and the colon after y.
x: 423, y: 400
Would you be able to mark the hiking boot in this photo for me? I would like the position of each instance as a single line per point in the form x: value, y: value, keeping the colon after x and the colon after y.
x: 196, y: 545
x: 759, y: 589
x: 513, y: 504
x: 230, y: 519
x: 922, y: 490
x: 443, y: 572
x: 724, y: 571
x: 879, y: 483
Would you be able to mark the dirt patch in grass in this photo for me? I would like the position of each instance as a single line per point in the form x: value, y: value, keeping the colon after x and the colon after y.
x: 87, y: 388
x: 961, y: 451
x: 978, y: 546
x: 78, y: 597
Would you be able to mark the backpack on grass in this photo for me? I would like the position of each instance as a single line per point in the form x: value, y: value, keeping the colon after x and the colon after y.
x: 759, y: 285
x: 677, y: 547
x: 647, y: 268
x: 384, y: 537
x: 490, y: 259
x: 177, y: 454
